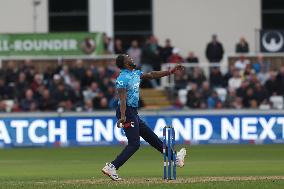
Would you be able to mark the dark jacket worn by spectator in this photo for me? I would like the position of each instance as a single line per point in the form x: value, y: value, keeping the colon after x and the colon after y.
x: 216, y: 78
x: 46, y: 102
x: 214, y: 50
x: 166, y: 51
x: 191, y: 58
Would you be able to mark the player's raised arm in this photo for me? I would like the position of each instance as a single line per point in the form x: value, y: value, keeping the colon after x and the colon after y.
x: 159, y: 74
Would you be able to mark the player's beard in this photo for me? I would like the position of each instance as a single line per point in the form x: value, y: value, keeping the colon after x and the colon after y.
x: 132, y: 65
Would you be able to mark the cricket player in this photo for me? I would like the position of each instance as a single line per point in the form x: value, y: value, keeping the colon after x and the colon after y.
x: 127, y: 85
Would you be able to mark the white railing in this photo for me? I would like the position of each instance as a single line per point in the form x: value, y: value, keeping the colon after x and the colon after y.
x: 58, y: 58
x: 169, y: 81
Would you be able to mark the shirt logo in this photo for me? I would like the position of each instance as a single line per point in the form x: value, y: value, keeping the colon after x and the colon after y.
x: 119, y: 82
x: 136, y: 86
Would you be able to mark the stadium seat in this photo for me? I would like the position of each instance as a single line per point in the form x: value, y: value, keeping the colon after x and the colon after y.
x: 222, y: 92
x: 277, y: 102
x: 9, y: 105
x: 182, y: 96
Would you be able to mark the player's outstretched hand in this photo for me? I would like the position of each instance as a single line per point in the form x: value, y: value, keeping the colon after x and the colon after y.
x: 120, y: 122
x: 177, y: 67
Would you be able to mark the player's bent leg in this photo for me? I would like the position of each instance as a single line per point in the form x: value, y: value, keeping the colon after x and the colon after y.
x: 149, y: 136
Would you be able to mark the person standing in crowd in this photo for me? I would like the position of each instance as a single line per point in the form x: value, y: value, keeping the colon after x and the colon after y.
x: 241, y: 63
x: 118, y: 47
x: 214, y: 50
x: 150, y: 59
x: 135, y: 52
x: 191, y: 58
x: 242, y: 46
x: 175, y: 57
x: 108, y: 44
x: 166, y: 51
x: 260, y: 64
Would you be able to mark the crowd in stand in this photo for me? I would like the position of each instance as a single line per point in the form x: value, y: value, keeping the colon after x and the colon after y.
x: 246, y: 84
x: 87, y: 88
x: 62, y: 88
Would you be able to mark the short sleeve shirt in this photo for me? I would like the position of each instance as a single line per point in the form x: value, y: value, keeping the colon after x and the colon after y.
x: 130, y: 80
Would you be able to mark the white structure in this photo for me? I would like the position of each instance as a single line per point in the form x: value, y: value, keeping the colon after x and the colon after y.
x: 190, y: 23
x: 101, y: 16
x: 23, y: 16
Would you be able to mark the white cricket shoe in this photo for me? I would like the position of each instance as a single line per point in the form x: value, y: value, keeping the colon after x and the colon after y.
x: 180, y: 157
x: 110, y: 171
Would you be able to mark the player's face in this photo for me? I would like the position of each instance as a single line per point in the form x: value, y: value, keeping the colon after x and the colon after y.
x: 129, y: 61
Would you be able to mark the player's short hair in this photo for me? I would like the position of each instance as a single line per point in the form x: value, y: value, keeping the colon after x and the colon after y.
x: 120, y: 61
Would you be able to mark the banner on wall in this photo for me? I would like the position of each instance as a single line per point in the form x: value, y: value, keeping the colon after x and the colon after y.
x: 77, y: 131
x: 272, y: 41
x: 51, y: 44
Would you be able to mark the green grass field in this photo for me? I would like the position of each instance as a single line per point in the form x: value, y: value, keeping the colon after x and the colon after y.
x: 210, y: 166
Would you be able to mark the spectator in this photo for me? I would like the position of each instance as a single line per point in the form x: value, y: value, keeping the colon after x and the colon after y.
x: 260, y: 64
x: 216, y: 78
x: 280, y: 81
x: 105, y: 83
x: 11, y: 74
x: 118, y: 47
x: 37, y: 82
x: 46, y: 102
x: 180, y: 80
x: 92, y: 91
x: 263, y: 75
x: 150, y: 59
x: 260, y: 93
x: 238, y: 103
x: 241, y: 91
x: 191, y: 58
x: 66, y: 75
x: 103, y: 105
x: 230, y: 101
x: 272, y: 85
x: 135, y: 52
x: 197, y: 76
x: 21, y: 86
x: 88, y: 106
x: 214, y: 101
x: 79, y: 71
x: 205, y: 91
x: 29, y: 103
x: 249, y: 99
x: 241, y: 63
x: 88, y: 78
x: 193, y: 97
x: 248, y: 72
x: 242, y: 46
x: 63, y: 96
x: 175, y: 57
x: 6, y: 92
x: 28, y: 69
x: 229, y: 74
x: 48, y: 75
x: 166, y: 51
x: 214, y: 50
x: 108, y: 44
x: 110, y: 93
x: 77, y: 95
